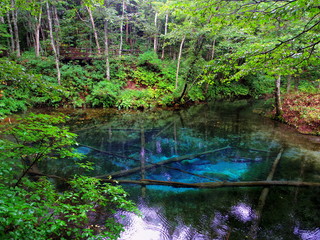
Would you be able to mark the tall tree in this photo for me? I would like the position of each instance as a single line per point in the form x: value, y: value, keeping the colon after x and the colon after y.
x: 15, y: 27
x: 106, y: 39
x: 179, y: 61
x: 94, y: 29
x: 35, y: 8
x: 276, y: 38
x: 121, y: 26
x: 165, y: 33
x: 12, y: 42
x: 53, y: 45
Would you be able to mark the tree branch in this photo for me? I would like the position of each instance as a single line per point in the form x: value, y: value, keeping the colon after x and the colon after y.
x: 290, y: 39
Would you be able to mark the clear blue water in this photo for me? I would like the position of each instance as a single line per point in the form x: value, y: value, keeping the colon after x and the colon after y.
x: 117, y: 141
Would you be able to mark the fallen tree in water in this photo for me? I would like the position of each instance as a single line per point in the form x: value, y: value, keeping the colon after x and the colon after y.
x: 204, y: 185
x: 209, y: 185
x: 262, y: 199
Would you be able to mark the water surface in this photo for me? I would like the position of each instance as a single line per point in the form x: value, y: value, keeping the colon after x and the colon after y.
x: 117, y: 141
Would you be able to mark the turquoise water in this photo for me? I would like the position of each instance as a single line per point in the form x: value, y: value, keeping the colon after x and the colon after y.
x: 129, y: 139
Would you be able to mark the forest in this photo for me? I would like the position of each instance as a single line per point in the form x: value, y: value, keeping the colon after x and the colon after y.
x: 136, y: 54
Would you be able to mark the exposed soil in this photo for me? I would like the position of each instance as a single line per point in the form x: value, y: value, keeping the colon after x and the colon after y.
x: 303, y: 112
x: 134, y: 86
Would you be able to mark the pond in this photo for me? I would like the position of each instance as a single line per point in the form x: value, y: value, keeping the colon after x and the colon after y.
x: 216, y: 142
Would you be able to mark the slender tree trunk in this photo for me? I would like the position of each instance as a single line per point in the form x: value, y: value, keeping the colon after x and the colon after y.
x: 121, y: 28
x: 53, y: 45
x: 179, y: 61
x: 95, y: 33
x: 37, y: 33
x: 165, y: 33
x: 209, y: 185
x: 278, y: 98
x: 106, y: 51
x: 155, y: 39
x: 16, y: 29
x: 56, y: 28
x: 12, y: 45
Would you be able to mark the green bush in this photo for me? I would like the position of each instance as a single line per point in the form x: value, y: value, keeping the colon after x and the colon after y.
x: 20, y: 89
x: 38, y: 65
x: 130, y: 98
x: 150, y: 59
x: 227, y: 90
x: 103, y: 94
x: 36, y: 209
x: 145, y: 77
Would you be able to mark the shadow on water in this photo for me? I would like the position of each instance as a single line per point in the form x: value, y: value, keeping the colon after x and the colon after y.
x: 126, y: 140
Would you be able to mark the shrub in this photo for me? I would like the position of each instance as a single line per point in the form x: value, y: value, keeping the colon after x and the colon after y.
x: 36, y: 209
x: 103, y: 94
x: 20, y: 89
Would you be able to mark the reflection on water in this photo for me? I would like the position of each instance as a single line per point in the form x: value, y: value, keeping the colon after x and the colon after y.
x: 218, y: 142
x: 307, y: 234
x: 154, y: 226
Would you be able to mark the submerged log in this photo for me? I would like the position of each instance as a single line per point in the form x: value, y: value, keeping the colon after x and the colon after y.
x: 168, y: 161
x: 154, y: 164
x: 210, y: 185
x: 262, y: 199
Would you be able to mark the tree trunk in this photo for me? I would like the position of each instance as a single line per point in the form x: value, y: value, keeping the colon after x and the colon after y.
x: 205, y: 185
x: 212, y: 185
x: 165, y: 33
x: 53, y: 45
x: 121, y: 28
x: 95, y: 33
x: 12, y: 45
x: 278, y: 104
x: 155, y: 39
x: 57, y: 28
x: 16, y: 29
x: 179, y: 60
x: 37, y: 33
x: 106, y: 50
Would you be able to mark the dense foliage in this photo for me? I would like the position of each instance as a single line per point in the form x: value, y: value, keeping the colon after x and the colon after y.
x: 85, y: 54
x: 135, y: 54
x: 36, y: 209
